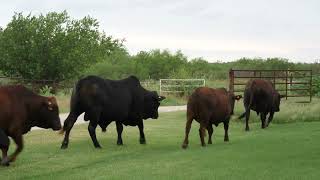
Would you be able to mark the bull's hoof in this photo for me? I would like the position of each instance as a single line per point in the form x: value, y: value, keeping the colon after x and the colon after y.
x: 97, y: 146
x: 226, y: 139
x: 247, y: 129
x: 5, y: 162
x: 104, y: 130
x: 64, y: 146
x: 209, y: 142
x: 143, y: 141
x: 119, y: 143
x: 203, y: 145
x: 184, y: 146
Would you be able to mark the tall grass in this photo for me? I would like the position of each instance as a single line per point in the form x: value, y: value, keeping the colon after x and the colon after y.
x: 291, y: 110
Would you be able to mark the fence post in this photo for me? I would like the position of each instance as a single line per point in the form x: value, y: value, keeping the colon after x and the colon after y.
x: 286, y: 84
x: 231, y: 80
x: 160, y: 87
x: 310, y: 85
x: 274, y: 79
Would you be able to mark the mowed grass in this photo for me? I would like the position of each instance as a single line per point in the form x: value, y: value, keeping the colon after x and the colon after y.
x: 283, y: 151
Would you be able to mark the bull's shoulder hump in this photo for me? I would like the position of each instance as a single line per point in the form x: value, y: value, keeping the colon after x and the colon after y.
x: 210, y: 91
x: 204, y: 90
x: 133, y: 80
x: 17, y: 90
x: 261, y: 83
x: 91, y: 78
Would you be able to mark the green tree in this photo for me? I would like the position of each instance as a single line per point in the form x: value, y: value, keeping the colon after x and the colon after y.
x: 52, y: 46
x: 157, y: 64
x: 116, y: 66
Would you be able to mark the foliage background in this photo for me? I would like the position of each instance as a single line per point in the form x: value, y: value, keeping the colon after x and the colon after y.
x: 57, y: 47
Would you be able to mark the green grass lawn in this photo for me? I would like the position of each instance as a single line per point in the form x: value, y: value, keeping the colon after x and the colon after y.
x: 283, y: 151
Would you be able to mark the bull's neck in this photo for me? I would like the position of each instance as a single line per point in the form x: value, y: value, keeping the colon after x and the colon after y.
x: 33, y: 106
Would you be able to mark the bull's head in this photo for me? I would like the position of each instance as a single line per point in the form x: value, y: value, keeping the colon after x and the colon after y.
x: 276, y: 99
x: 151, y: 104
x: 49, y: 114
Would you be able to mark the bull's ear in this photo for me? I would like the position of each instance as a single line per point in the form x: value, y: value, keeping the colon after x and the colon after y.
x: 52, y: 99
x: 282, y: 96
x: 237, y: 97
x: 50, y: 102
x: 160, y: 98
x: 47, y: 104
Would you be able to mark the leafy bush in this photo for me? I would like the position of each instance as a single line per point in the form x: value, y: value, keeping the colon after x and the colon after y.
x: 316, y: 85
x: 46, y: 91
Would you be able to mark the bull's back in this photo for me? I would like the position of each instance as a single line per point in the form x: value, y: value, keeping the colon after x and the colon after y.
x: 114, y: 97
x: 260, y: 86
x: 12, y: 105
x: 258, y: 94
x: 208, y: 103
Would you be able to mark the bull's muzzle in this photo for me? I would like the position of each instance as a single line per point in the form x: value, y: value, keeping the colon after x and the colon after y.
x: 57, y: 126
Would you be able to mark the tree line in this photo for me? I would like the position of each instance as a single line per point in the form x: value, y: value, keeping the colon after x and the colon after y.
x: 57, y: 47
x: 157, y: 64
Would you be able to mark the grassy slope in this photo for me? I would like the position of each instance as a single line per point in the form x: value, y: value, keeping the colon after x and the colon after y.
x: 284, y: 151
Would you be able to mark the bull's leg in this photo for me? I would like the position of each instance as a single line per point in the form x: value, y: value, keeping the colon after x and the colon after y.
x: 270, y: 118
x: 188, y: 127
x: 92, y: 131
x: 19, y: 142
x: 210, y: 132
x: 263, y: 116
x: 67, y: 126
x: 5, y: 160
x: 226, y: 128
x: 4, y: 146
x: 119, y: 131
x: 202, y: 132
x: 142, y: 138
x: 247, y: 118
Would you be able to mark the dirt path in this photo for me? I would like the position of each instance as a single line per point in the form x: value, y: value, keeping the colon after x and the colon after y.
x: 161, y: 109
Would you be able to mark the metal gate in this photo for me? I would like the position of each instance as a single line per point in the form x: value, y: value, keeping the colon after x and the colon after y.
x: 180, y: 85
x: 291, y: 83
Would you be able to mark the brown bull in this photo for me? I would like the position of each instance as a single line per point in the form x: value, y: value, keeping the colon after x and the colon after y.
x: 21, y: 109
x: 209, y: 106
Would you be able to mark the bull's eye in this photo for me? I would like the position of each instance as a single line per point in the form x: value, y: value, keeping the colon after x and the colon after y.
x: 50, y: 108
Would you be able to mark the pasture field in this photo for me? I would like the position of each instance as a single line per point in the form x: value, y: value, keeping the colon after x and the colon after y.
x: 282, y: 151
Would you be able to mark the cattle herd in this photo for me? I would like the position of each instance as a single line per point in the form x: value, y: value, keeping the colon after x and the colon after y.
x: 127, y: 103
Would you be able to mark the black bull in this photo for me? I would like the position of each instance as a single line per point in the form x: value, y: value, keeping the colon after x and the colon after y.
x: 260, y: 96
x: 103, y: 101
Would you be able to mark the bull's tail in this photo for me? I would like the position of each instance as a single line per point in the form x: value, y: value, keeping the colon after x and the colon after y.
x: 247, y: 107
